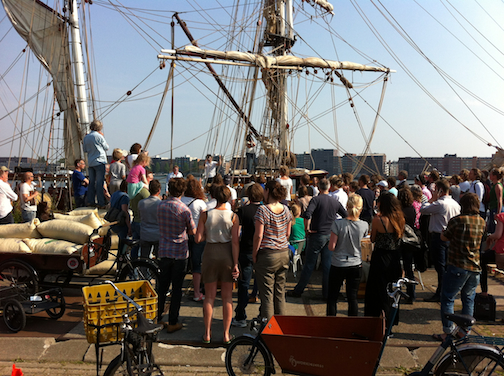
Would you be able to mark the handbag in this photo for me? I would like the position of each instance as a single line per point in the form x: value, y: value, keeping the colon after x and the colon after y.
x: 116, y: 215
x: 410, y: 238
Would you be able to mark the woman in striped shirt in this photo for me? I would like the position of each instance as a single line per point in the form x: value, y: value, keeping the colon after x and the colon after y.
x: 270, y: 250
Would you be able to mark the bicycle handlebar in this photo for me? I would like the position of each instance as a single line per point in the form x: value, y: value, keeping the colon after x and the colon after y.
x: 394, y: 288
x: 135, y: 304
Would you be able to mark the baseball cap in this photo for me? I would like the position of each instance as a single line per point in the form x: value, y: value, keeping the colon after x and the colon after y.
x: 383, y: 183
x: 3, y: 168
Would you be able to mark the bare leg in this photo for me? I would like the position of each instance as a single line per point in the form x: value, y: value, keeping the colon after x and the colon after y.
x: 197, y: 283
x: 208, y: 303
x: 227, y: 308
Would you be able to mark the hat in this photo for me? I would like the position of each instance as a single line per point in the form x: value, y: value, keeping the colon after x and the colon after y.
x: 383, y: 183
x: 3, y: 168
x: 227, y: 179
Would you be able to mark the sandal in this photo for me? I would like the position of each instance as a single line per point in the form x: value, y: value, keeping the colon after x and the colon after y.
x: 231, y: 338
x: 204, y: 341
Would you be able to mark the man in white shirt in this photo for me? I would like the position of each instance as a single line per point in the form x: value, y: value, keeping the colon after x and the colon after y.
x: 28, y: 193
x: 7, y: 195
x: 337, y: 191
x: 314, y: 186
x: 174, y: 174
x: 478, y: 188
x: 441, y: 207
x: 211, y: 168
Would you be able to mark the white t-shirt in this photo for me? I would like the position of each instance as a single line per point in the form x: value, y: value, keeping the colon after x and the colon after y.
x: 234, y: 195
x: 172, y: 175
x: 211, y: 169
x: 6, y: 196
x: 26, y: 189
x: 287, y: 183
x: 197, y: 207
x: 130, y: 159
x: 213, y: 203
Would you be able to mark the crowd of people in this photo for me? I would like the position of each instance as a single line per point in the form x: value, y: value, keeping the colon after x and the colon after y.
x: 231, y: 237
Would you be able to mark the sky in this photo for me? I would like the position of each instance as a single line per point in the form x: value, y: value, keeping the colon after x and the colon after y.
x: 446, y: 96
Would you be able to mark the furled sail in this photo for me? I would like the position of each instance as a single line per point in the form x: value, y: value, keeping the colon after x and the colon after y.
x: 45, y: 31
x: 266, y: 62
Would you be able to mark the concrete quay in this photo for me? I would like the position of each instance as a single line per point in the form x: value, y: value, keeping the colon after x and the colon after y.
x: 182, y: 353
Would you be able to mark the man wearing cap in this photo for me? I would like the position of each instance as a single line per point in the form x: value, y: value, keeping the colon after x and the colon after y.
x: 383, y: 186
x: 28, y: 194
x: 7, y: 195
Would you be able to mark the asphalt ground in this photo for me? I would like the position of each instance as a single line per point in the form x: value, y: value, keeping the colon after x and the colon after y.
x: 48, y: 347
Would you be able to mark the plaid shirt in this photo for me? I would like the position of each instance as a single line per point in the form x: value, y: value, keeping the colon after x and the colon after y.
x: 465, y: 233
x: 174, y: 219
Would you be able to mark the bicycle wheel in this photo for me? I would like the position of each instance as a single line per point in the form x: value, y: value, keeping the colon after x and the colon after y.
x: 56, y: 312
x: 242, y: 358
x: 120, y: 367
x: 19, y: 276
x: 140, y: 270
x: 472, y: 361
x: 14, y: 315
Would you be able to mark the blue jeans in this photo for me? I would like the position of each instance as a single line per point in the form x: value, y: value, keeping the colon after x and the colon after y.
x: 316, y: 244
x: 96, y: 179
x: 28, y: 216
x: 172, y: 272
x: 439, y: 251
x: 250, y: 163
x: 247, y: 268
x: 457, y: 280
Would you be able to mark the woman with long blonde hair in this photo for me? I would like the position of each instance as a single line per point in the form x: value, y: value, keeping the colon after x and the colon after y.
x: 346, y: 260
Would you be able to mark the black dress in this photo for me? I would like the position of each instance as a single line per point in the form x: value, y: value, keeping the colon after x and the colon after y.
x: 385, y: 268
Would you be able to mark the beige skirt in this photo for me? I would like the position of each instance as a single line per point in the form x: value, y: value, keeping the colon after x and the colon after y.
x: 217, y: 263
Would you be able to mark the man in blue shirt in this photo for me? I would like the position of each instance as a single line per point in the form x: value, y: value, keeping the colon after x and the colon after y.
x: 79, y: 183
x: 95, y: 146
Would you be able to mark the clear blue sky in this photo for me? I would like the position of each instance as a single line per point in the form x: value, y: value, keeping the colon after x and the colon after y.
x: 462, y: 38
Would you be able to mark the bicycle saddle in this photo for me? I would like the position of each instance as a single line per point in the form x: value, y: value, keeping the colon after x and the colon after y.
x: 463, y: 321
x: 145, y: 327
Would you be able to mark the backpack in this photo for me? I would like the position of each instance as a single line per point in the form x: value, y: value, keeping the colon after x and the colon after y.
x: 486, y: 195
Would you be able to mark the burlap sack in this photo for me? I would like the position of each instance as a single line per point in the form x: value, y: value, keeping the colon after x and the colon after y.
x: 21, y: 230
x: 89, y: 219
x: 13, y: 245
x: 83, y: 211
x: 52, y: 246
x: 71, y: 231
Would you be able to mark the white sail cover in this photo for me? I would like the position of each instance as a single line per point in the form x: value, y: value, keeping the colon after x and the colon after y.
x: 45, y: 32
x: 286, y: 61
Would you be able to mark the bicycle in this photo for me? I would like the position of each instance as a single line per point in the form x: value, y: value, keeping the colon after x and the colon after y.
x: 253, y: 356
x: 97, y: 250
x: 136, y: 356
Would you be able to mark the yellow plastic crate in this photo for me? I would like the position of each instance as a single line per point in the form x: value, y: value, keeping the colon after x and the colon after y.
x: 103, y: 305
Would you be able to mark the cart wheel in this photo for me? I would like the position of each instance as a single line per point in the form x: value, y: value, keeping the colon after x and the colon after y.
x: 14, y: 315
x: 20, y: 276
x: 244, y: 357
x: 56, y: 312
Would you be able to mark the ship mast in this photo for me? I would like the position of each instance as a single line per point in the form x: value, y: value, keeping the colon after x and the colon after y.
x: 78, y: 65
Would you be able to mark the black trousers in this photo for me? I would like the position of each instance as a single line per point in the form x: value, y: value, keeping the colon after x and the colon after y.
x: 172, y: 272
x: 352, y: 275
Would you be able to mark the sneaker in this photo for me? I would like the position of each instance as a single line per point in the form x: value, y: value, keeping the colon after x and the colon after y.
x: 175, y: 327
x: 293, y: 294
x: 239, y: 323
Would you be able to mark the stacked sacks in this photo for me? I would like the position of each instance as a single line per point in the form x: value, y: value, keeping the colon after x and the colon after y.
x: 71, y: 231
x: 21, y: 230
x: 92, y: 219
x: 9, y: 245
x: 53, y: 246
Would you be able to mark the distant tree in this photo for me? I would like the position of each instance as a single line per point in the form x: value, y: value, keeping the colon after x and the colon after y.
x: 166, y: 168
x: 41, y: 160
x: 157, y: 167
